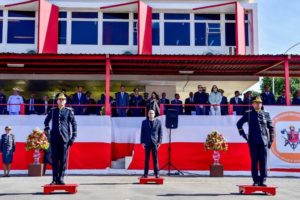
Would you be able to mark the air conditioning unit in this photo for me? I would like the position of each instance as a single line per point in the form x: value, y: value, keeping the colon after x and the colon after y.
x: 232, y: 50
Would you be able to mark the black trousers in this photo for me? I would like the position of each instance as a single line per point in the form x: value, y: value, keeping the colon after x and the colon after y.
x: 151, y: 148
x: 259, y: 156
x: 59, y: 154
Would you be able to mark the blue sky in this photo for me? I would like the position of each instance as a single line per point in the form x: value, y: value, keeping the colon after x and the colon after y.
x: 279, y: 26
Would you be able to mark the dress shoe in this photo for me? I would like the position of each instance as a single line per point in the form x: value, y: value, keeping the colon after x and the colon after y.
x: 263, y: 184
x: 255, y: 184
x: 157, y: 176
x: 61, y: 182
x: 53, y: 182
x: 145, y: 176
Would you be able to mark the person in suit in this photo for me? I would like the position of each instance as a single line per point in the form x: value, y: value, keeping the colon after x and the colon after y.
x: 7, y: 148
x: 200, y: 97
x: 90, y: 110
x: 268, y: 97
x: 259, y: 139
x: 236, y: 101
x: 151, y: 138
x: 78, y: 99
x: 189, y: 107
x: 281, y: 100
x: 136, y: 101
x: 296, y: 98
x: 176, y: 102
x: 30, y: 107
x: 2, y: 101
x: 122, y: 101
x: 62, y: 136
x: 247, y: 101
x: 45, y: 106
x: 164, y: 101
x: 224, y: 103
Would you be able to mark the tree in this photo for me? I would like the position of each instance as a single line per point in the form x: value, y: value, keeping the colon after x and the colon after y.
x: 280, y: 85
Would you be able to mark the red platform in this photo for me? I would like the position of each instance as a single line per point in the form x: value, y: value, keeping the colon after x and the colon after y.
x: 159, y: 181
x: 249, y: 189
x: 70, y: 188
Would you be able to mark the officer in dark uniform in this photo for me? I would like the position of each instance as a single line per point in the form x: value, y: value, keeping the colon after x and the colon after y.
x: 260, y: 139
x: 61, y: 137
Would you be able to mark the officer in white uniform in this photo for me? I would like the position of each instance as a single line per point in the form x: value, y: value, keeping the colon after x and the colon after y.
x: 14, y: 101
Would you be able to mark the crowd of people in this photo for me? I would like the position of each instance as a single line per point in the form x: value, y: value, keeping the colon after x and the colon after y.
x: 135, y: 104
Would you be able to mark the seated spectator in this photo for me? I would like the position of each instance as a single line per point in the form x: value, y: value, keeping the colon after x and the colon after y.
x: 237, y: 102
x: 176, y: 101
x: 281, y: 100
x: 189, y: 107
x: 2, y: 101
x: 296, y: 99
x: 215, y: 99
x: 267, y: 97
x: 224, y: 102
x: 207, y: 108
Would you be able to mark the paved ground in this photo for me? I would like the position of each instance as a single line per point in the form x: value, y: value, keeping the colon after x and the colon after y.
x: 126, y: 188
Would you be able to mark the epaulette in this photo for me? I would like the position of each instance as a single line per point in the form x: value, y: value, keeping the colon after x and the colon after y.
x: 69, y: 108
x: 248, y: 111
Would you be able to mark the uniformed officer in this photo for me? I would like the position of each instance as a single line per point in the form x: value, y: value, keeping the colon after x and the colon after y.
x: 260, y: 139
x: 61, y: 137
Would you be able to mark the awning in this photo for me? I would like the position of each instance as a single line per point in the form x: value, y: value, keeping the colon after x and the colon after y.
x: 224, y: 65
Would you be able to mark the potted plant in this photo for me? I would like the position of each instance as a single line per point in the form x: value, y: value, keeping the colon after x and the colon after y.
x: 216, y: 142
x: 37, y: 141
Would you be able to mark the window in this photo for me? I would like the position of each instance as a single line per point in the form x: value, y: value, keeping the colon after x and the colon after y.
x: 1, y: 25
x: 21, y: 27
x: 115, y: 29
x: 84, y: 28
x: 62, y: 28
x: 176, y: 29
x: 230, y: 39
x: 207, y: 30
x: 155, y: 29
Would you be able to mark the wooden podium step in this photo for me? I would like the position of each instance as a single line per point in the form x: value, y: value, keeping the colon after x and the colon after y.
x: 69, y: 188
x: 152, y: 180
x: 249, y: 189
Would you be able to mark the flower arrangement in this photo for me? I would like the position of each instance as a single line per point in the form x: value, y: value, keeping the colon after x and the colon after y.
x: 36, y: 140
x: 216, y: 141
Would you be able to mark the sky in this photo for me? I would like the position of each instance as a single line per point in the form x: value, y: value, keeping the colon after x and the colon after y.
x: 278, y: 26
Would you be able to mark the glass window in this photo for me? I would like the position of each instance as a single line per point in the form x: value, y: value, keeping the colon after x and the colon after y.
x: 23, y: 14
x: 230, y: 34
x: 85, y: 15
x: 115, y: 16
x: 1, y: 29
x: 21, y: 31
x: 177, y: 34
x: 155, y: 33
x: 175, y: 16
x: 84, y: 32
x: 115, y: 33
x: 200, y: 34
x: 207, y: 17
x: 62, y: 14
x: 247, y: 33
x: 230, y: 16
x: 1, y: 13
x: 214, y: 34
x: 62, y: 32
